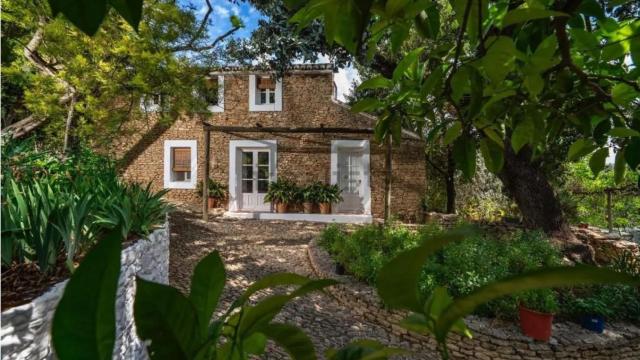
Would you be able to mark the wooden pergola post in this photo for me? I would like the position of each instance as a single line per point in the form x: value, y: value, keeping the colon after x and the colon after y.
x: 205, y: 174
x: 387, y: 180
x: 609, y: 214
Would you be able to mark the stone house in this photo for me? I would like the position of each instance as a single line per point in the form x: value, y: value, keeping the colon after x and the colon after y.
x: 173, y: 156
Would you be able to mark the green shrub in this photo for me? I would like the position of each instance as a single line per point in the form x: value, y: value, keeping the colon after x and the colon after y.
x: 217, y: 189
x: 282, y: 191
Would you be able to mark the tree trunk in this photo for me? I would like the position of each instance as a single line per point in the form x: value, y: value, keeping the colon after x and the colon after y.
x: 387, y: 180
x: 69, y: 129
x: 528, y: 186
x: 451, y: 182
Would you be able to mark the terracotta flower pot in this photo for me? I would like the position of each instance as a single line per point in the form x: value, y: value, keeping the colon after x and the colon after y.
x: 307, y: 207
x: 325, y: 208
x: 212, y: 202
x: 535, y: 324
x: 282, y: 208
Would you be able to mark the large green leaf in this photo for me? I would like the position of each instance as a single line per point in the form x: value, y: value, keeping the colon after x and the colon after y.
x: 623, y: 132
x: 363, y: 350
x: 398, y: 279
x: 270, y: 281
x: 619, y: 167
x: 538, y: 279
x: 406, y: 63
x: 130, y: 10
x: 367, y: 104
x: 525, y: 14
x: 206, y: 286
x: 492, y: 154
x: 464, y: 155
x: 84, y: 324
x: 522, y: 135
x: 377, y: 82
x: 580, y: 148
x: 428, y: 22
x: 167, y: 319
x: 597, y: 161
x: 87, y: 15
x: 623, y: 94
x: 632, y: 153
x: 292, y: 339
x: 452, y: 132
x: 499, y: 59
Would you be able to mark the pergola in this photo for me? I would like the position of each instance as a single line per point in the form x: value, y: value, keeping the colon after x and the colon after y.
x: 208, y: 128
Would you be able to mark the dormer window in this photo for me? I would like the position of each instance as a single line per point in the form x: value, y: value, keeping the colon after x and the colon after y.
x: 214, y: 93
x: 265, y: 93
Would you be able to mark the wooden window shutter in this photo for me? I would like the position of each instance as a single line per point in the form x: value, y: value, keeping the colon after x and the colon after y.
x: 266, y: 83
x: 182, y: 159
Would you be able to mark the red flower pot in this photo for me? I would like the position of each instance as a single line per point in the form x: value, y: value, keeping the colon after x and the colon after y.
x: 212, y: 202
x: 535, y: 324
x: 325, y: 208
x: 281, y: 207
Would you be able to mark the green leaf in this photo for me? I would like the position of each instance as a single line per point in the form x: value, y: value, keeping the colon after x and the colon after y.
x: 392, y: 7
x: 271, y: 281
x: 206, y: 286
x: 367, y: 104
x: 534, y: 84
x: 428, y: 22
x: 460, y: 83
x: 437, y: 303
x: 452, y: 132
x: 499, y: 59
x: 623, y: 94
x: 622, y: 132
x: 591, y: 8
x: 292, y: 339
x: 619, y: 167
x: 492, y: 154
x: 406, y: 63
x: 378, y: 82
x: 363, y: 350
x: 584, y: 40
x: 597, y: 161
x: 613, y: 51
x: 525, y: 14
x: 464, y: 154
x: 433, y: 82
x: 537, y: 279
x: 522, y: 135
x: 632, y: 153
x: 87, y: 15
x: 130, y: 10
x: 580, y: 148
x: 398, y: 279
x: 84, y: 324
x: 166, y: 318
x: 399, y: 33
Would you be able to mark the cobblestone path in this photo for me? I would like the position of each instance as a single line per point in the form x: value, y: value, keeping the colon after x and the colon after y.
x: 252, y: 249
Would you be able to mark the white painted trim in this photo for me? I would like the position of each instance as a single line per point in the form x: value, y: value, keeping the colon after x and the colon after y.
x: 191, y: 184
x: 366, y: 159
x: 220, y: 106
x: 234, y: 164
x: 324, y: 218
x: 268, y: 107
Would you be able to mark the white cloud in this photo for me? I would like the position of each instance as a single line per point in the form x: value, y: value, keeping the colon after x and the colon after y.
x: 343, y: 79
x: 220, y: 11
x: 235, y: 10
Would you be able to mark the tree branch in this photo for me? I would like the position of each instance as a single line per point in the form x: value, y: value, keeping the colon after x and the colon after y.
x: 191, y: 47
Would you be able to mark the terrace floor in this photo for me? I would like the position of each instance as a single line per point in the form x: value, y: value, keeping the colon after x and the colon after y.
x: 252, y: 249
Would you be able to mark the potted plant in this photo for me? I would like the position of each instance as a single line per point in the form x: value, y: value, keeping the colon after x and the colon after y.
x: 592, y: 312
x: 281, y: 193
x: 328, y: 194
x: 310, y: 197
x: 536, y: 313
x: 216, y: 194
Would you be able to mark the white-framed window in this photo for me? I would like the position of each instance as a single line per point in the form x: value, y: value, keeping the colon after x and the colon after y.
x: 214, y: 93
x: 265, y: 93
x: 180, y: 164
x: 151, y: 102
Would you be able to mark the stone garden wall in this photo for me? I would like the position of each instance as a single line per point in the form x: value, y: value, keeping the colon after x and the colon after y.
x: 492, y: 339
x: 26, y: 328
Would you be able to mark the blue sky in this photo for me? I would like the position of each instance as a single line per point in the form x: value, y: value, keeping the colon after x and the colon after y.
x: 223, y: 9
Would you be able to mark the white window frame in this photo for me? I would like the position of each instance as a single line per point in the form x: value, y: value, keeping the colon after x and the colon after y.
x: 277, y: 106
x: 168, y: 145
x: 366, y: 159
x: 235, y: 157
x: 220, y: 106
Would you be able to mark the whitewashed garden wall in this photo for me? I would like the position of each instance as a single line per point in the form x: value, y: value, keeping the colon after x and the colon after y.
x: 26, y: 328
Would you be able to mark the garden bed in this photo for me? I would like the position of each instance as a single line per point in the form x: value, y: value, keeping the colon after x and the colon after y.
x: 492, y: 338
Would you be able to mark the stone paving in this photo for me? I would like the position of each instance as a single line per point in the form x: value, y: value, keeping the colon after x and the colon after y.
x: 252, y: 249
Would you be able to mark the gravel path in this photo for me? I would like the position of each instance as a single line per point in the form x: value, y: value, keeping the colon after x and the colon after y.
x: 252, y: 249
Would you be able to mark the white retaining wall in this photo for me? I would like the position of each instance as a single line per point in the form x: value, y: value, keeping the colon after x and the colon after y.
x: 26, y: 328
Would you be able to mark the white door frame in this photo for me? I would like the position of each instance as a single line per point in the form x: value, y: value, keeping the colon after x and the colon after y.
x: 366, y: 181
x: 235, y: 148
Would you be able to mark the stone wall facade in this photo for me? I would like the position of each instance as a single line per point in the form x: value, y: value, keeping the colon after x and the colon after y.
x: 307, y: 101
x: 492, y: 339
x: 26, y: 328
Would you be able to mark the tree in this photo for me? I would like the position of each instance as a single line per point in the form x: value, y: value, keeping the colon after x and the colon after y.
x: 518, y: 77
x: 74, y: 84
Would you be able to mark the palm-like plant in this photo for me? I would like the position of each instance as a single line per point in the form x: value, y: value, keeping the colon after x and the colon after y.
x: 282, y: 191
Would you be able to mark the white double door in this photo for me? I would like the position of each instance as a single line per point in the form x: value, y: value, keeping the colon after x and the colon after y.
x: 255, y: 175
x: 351, y: 173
